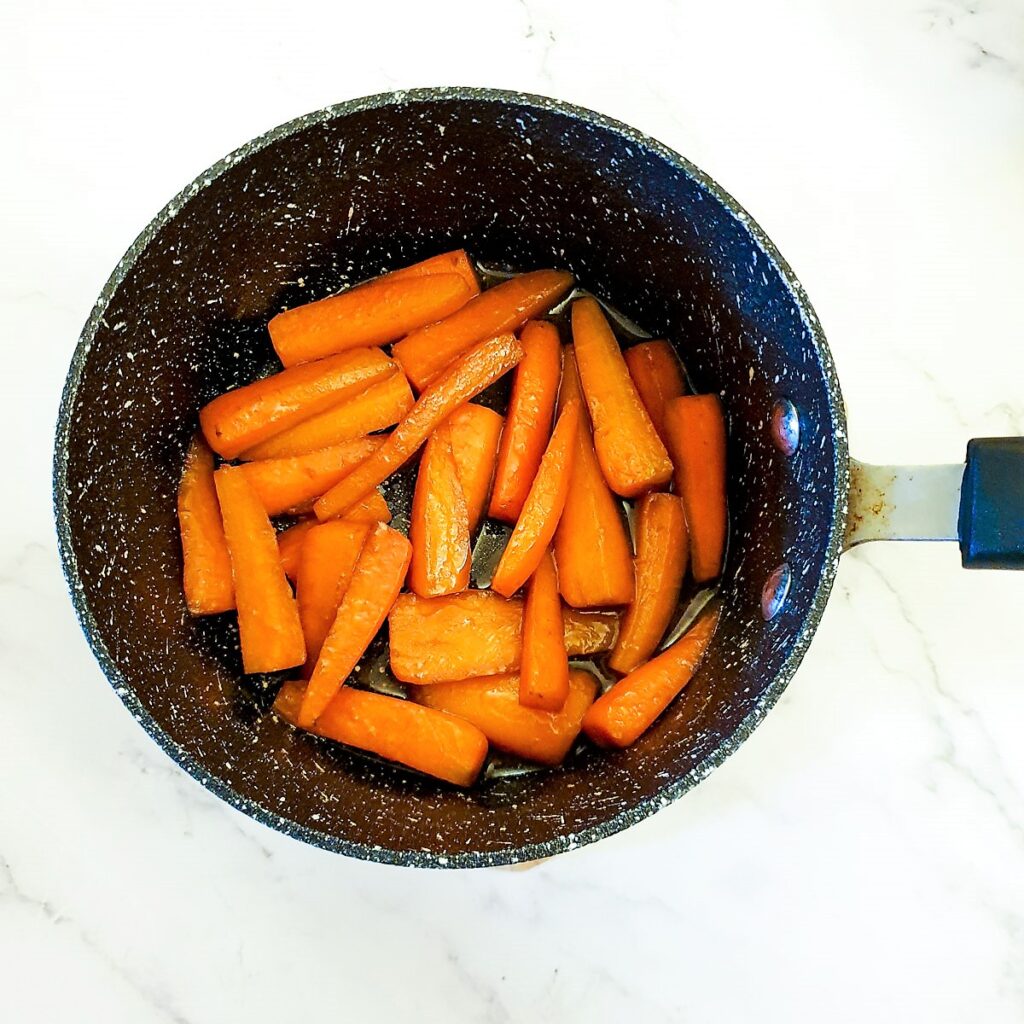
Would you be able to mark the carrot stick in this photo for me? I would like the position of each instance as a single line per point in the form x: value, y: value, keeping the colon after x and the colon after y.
x: 531, y: 410
x: 628, y: 709
x: 425, y: 353
x: 696, y: 428
x: 421, y: 738
x: 240, y: 419
x: 544, y: 671
x: 207, y: 564
x: 661, y: 549
x: 654, y: 367
x: 476, y: 370
x: 477, y: 633
x: 371, y: 509
x: 373, y: 313
x: 631, y: 454
x: 379, y: 406
x: 492, y: 705
x: 268, y: 619
x: 289, y: 545
x: 543, y: 507
x: 375, y: 583
x: 592, y: 548
x: 475, y: 433
x: 454, y: 262
x: 328, y: 558
x: 439, y: 526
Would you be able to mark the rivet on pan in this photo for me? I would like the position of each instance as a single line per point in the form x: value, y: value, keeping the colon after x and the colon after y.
x: 785, y: 426
x: 773, y: 596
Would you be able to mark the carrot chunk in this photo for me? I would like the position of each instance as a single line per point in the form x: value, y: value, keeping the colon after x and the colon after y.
x: 475, y: 432
x: 289, y: 545
x: 654, y: 367
x: 454, y: 262
x: 631, y: 454
x: 544, y: 671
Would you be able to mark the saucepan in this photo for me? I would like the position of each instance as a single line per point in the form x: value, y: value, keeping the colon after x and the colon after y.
x: 522, y: 181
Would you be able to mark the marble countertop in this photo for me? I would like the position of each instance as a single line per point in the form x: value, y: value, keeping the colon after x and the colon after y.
x: 862, y: 856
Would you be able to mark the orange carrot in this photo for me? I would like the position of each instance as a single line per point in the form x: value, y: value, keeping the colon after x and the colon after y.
x: 477, y: 633
x: 268, y: 619
x: 439, y: 526
x: 454, y: 262
x: 240, y: 419
x: 373, y: 313
x: 544, y: 671
x: 531, y: 410
x: 654, y: 367
x: 375, y: 583
x: 475, y: 432
x: 696, y: 428
x: 379, y: 406
x: 476, y: 370
x: 329, y: 555
x: 207, y: 564
x: 492, y: 705
x: 628, y: 709
x: 543, y: 507
x: 592, y: 548
x: 429, y: 741
x: 631, y: 454
x: 289, y: 545
x: 425, y: 353
x: 661, y: 548
x: 370, y: 509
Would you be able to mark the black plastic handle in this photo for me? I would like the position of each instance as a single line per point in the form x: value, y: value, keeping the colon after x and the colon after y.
x: 991, y: 525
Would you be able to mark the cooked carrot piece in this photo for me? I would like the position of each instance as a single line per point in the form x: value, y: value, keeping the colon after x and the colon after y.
x: 328, y: 558
x: 531, y: 410
x: 592, y: 548
x: 439, y: 526
x: 538, y: 521
x: 475, y: 433
x: 454, y: 262
x: 654, y: 367
x: 379, y: 406
x: 661, y: 549
x: 631, y: 454
x: 207, y: 564
x: 268, y: 618
x: 432, y: 742
x: 375, y: 583
x: 370, y: 509
x: 477, y: 633
x: 476, y: 370
x: 425, y: 353
x: 492, y: 705
x: 373, y: 313
x: 289, y: 545
x: 628, y: 709
x: 240, y: 419
x: 696, y: 428
x: 544, y: 669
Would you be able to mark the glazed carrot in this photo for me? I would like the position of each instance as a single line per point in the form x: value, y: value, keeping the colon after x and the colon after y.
x: 289, y: 545
x: 696, y: 429
x: 628, y: 709
x: 454, y: 262
x: 240, y: 419
x: 379, y: 406
x: 531, y: 410
x: 536, y: 524
x: 375, y: 583
x: 477, y: 633
x: 373, y: 313
x: 592, y: 548
x: 439, y: 526
x: 492, y: 705
x: 268, y: 619
x: 475, y: 432
x: 328, y: 558
x: 631, y: 454
x: 476, y: 370
x: 544, y: 666
x: 661, y: 547
x: 370, y: 509
x: 207, y: 564
x: 429, y: 741
x: 654, y: 367
x: 425, y: 353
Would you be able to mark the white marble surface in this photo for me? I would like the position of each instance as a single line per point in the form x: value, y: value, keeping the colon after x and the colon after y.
x: 862, y: 856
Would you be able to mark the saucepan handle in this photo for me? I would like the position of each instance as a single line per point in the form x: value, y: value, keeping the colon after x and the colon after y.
x: 979, y: 503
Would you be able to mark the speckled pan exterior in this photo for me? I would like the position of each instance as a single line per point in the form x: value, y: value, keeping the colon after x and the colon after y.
x: 342, y: 194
